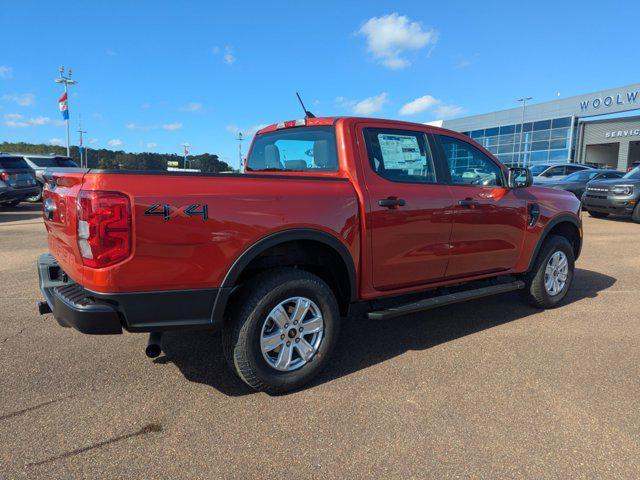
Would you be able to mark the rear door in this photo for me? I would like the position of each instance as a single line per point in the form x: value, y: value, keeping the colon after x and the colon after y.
x: 489, y: 220
x: 409, y: 207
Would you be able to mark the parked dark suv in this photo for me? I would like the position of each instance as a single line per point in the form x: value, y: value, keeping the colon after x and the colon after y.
x: 618, y: 196
x: 40, y: 163
x: 18, y: 180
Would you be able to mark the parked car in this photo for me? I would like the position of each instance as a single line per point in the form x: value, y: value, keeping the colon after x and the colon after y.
x: 616, y: 196
x: 363, y: 212
x: 548, y: 172
x: 40, y: 163
x: 576, y: 183
x: 633, y: 165
x: 18, y: 180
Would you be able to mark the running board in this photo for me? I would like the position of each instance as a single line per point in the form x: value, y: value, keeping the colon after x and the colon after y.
x: 442, y: 300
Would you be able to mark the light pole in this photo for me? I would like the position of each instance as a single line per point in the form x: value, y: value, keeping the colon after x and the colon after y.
x: 240, y: 139
x: 81, y: 146
x: 64, y: 100
x: 524, y: 101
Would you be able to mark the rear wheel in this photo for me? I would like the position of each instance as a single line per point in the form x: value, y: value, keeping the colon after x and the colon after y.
x: 550, y: 278
x: 598, y: 214
x: 282, y: 329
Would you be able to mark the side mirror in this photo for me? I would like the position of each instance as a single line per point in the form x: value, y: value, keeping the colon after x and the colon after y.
x: 519, y: 178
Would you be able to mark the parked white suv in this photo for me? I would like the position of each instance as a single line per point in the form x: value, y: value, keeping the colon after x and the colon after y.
x: 546, y: 172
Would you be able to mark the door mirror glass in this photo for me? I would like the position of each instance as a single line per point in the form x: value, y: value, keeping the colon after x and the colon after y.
x: 520, y: 178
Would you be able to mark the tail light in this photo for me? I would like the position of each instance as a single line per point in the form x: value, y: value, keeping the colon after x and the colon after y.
x: 104, y: 227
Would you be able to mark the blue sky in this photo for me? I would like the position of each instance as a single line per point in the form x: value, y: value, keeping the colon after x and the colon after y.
x: 153, y: 75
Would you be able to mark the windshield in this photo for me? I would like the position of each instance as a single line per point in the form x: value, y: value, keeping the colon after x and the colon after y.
x: 634, y: 174
x: 12, y: 163
x: 581, y: 176
x: 538, y: 169
x: 307, y: 149
x: 53, y: 162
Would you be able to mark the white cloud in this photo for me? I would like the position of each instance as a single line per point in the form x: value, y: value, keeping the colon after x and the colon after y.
x: 172, y: 126
x: 16, y: 120
x: 54, y: 141
x: 446, y: 111
x: 247, y: 132
x: 115, y: 142
x: 6, y: 72
x: 368, y: 106
x: 151, y: 145
x: 228, y: 55
x: 192, y: 107
x: 389, y: 36
x: 430, y: 103
x: 22, y: 99
x: 418, y: 105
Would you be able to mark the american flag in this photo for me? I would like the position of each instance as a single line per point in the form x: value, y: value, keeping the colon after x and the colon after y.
x: 64, y: 107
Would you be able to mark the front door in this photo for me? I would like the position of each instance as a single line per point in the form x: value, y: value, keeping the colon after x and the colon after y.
x: 490, y: 220
x: 408, y: 218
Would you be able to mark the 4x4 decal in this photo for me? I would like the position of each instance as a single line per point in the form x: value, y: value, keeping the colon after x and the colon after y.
x: 167, y: 212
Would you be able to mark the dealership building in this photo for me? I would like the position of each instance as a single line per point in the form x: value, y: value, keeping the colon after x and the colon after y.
x: 562, y: 130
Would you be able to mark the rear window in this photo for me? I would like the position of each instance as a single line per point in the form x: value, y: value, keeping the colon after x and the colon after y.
x: 13, y: 163
x: 53, y: 162
x: 307, y: 149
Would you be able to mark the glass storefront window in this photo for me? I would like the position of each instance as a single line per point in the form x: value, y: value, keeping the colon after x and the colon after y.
x: 561, y: 122
x: 491, y: 141
x: 540, y: 135
x: 507, y: 138
x: 507, y: 129
x: 560, y: 133
x: 542, y: 125
x: 540, y: 146
x: 561, y: 143
x: 489, y: 132
x: 558, y: 155
x: 541, y: 156
x: 505, y: 148
x: 477, y: 133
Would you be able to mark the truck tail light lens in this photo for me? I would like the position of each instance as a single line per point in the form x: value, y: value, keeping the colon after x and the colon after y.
x: 104, y: 227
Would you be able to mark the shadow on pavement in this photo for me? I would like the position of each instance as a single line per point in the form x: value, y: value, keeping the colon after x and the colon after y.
x: 365, y: 342
x: 23, y: 211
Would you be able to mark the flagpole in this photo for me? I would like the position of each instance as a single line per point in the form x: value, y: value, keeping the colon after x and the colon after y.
x: 66, y: 81
x: 67, y: 120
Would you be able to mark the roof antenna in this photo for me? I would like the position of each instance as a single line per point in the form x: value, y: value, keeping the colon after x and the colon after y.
x: 307, y: 113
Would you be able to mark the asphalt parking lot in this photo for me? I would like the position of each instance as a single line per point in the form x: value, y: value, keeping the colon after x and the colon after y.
x: 488, y: 389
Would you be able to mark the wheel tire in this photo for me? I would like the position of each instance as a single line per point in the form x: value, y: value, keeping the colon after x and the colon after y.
x: 36, y: 198
x: 635, y: 216
x: 598, y: 214
x: 535, y: 291
x: 251, y: 307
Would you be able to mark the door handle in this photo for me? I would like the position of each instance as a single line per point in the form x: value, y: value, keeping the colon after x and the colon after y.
x: 468, y: 202
x: 392, y: 202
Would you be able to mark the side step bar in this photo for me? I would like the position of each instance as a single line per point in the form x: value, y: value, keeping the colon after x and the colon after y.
x: 442, y: 300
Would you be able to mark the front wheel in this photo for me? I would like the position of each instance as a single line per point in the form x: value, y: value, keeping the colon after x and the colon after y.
x: 550, y: 278
x: 282, y: 329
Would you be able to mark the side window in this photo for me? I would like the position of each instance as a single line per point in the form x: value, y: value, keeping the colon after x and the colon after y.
x: 554, y: 172
x: 468, y: 165
x: 400, y: 155
x: 572, y: 168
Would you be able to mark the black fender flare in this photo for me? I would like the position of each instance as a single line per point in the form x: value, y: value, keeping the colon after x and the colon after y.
x: 286, y: 236
x: 545, y: 233
x: 236, y: 269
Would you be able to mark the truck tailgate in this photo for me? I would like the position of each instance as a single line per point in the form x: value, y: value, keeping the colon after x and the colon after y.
x: 59, y: 211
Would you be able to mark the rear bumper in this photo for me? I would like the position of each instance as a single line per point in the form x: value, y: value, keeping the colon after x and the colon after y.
x: 608, y: 204
x: 109, y: 313
x: 18, y: 193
